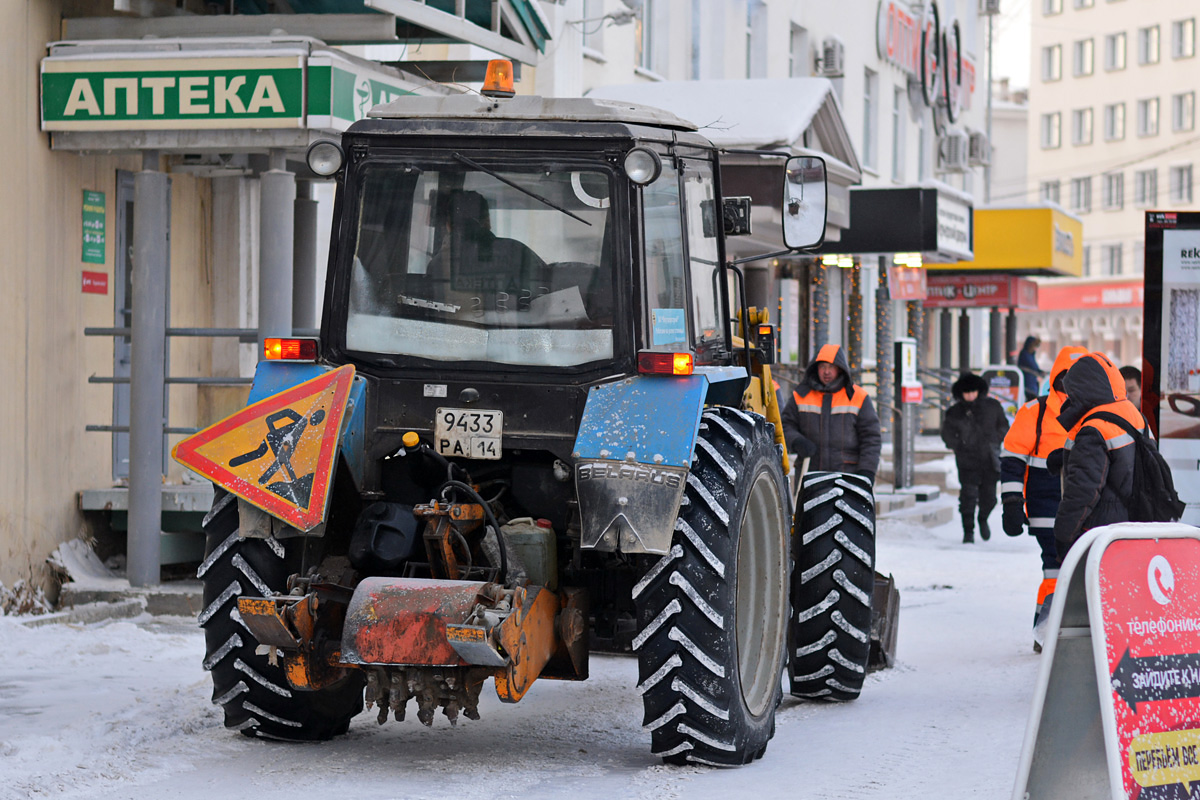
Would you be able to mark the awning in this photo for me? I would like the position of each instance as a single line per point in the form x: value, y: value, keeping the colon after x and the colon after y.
x: 1034, y: 240
x: 795, y: 115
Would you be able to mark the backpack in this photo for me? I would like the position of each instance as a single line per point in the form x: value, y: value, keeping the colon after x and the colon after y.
x: 1153, y: 498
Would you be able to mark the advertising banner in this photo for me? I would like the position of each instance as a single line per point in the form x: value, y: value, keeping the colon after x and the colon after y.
x: 1149, y: 592
x: 980, y: 291
x: 1006, y: 384
x: 93, y: 227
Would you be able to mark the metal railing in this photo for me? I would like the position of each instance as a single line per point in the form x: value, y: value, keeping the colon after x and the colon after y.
x: 243, y: 335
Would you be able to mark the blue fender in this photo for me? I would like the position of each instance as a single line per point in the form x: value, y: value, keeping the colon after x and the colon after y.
x: 273, y: 377
x: 633, y: 452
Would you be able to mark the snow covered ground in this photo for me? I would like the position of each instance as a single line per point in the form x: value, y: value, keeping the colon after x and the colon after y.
x: 120, y: 710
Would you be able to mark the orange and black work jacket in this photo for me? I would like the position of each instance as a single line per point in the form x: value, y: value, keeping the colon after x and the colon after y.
x: 834, y: 424
x: 1023, y: 472
x: 1099, y: 457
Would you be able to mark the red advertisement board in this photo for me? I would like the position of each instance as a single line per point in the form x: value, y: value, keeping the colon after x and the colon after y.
x: 95, y: 282
x: 1079, y: 295
x: 906, y: 283
x: 980, y: 291
x: 1149, y: 591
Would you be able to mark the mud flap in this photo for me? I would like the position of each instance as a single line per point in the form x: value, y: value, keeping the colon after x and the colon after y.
x: 885, y: 618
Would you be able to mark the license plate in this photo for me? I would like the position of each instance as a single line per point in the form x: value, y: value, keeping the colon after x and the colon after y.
x: 468, y: 433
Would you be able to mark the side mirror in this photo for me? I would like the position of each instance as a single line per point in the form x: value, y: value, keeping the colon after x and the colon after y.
x: 805, y: 202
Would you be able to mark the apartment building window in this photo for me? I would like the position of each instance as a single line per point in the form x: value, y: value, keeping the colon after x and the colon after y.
x: 870, y: 126
x: 1081, y: 194
x: 593, y: 31
x: 1181, y: 184
x: 1050, y: 191
x: 1145, y: 188
x: 1052, y: 62
x: 798, y: 58
x: 1114, y: 122
x: 1183, y: 38
x: 1183, y: 111
x: 1086, y: 259
x: 1114, y: 51
x: 1148, y: 45
x: 1084, y: 60
x: 1081, y: 126
x: 1110, y: 259
x: 645, y: 36
x: 922, y: 149
x: 1052, y: 130
x: 1084, y: 3
x: 1138, y: 265
x: 1147, y: 121
x: 899, y: 105
x: 1113, y: 194
x: 756, y: 35
x: 1051, y: 7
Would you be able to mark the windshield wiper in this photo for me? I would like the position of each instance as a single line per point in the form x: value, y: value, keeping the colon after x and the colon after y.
x: 476, y: 165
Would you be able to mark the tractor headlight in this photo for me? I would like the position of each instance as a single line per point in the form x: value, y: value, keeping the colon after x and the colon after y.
x: 642, y: 166
x: 325, y: 157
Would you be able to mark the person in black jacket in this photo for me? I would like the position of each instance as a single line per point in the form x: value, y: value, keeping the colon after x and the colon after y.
x: 831, y: 420
x: 974, y: 428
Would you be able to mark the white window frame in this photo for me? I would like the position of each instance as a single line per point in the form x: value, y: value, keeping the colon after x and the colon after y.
x: 1084, y: 58
x: 870, y: 144
x: 899, y: 112
x: 1145, y: 188
x: 1114, y: 52
x: 1149, y: 45
x: 593, y: 31
x: 1183, y: 38
x: 1052, y: 63
x: 1147, y: 116
x: 1180, y: 183
x: 1081, y: 194
x: 799, y: 60
x: 1183, y: 111
x: 1051, y: 130
x: 1082, y: 126
x: 1114, y: 122
x: 1113, y: 191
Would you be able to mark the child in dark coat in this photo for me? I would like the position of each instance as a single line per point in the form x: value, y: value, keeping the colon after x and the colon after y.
x: 973, y: 428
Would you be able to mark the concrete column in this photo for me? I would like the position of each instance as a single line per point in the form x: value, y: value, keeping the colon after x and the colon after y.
x: 964, y: 341
x: 151, y: 192
x: 946, y: 339
x: 996, y: 337
x: 304, y: 258
x: 276, y: 247
x: 883, y: 344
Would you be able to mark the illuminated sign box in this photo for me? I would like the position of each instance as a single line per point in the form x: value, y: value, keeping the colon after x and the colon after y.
x: 933, y: 222
x: 1033, y: 241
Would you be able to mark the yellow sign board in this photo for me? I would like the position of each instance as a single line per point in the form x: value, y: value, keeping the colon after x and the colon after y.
x: 279, y: 453
x: 1035, y: 240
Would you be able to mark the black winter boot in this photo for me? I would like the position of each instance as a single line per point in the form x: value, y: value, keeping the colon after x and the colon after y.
x: 984, y: 532
x: 968, y: 530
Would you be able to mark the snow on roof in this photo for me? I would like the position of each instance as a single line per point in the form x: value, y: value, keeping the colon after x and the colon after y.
x: 752, y: 113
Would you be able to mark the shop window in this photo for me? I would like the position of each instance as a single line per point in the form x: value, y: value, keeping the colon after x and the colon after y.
x: 1051, y: 191
x: 1183, y: 111
x: 1081, y: 194
x: 1114, y: 122
x: 1052, y: 62
x: 1183, y: 38
x: 1113, y: 195
x: 1147, y: 121
x: 1051, y: 130
x: 1181, y: 184
x: 1114, y: 51
x: 1081, y: 126
x: 1148, y: 45
x: 1145, y: 188
x: 1084, y: 60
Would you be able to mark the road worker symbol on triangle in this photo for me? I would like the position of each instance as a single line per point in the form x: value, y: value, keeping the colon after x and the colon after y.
x: 279, y: 453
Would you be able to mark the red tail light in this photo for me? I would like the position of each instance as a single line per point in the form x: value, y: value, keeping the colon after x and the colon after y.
x: 665, y: 363
x: 290, y: 349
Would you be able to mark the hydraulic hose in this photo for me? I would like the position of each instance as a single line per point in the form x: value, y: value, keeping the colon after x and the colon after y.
x: 491, y: 518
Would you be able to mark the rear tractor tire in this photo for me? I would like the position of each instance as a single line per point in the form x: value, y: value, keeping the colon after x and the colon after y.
x: 255, y: 695
x: 832, y: 586
x: 713, y: 612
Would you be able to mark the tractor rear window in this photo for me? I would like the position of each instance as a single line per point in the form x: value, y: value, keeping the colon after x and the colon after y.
x: 467, y: 262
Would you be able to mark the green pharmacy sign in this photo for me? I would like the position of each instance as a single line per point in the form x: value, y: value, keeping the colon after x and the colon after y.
x: 93, y: 227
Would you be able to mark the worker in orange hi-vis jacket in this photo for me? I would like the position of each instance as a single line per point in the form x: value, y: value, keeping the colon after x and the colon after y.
x: 1029, y: 491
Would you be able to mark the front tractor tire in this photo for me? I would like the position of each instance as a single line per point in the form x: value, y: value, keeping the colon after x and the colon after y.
x: 713, y: 612
x: 832, y: 586
x: 254, y: 694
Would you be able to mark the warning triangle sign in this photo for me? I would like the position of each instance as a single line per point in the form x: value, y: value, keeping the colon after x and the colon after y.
x: 279, y: 453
